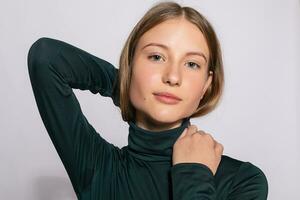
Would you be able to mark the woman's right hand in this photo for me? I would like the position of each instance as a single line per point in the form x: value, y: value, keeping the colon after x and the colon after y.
x: 195, y: 146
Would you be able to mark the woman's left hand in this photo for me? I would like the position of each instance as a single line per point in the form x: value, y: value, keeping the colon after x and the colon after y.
x: 199, y: 147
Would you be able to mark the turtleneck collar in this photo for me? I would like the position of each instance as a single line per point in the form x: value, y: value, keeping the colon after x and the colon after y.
x: 153, y: 145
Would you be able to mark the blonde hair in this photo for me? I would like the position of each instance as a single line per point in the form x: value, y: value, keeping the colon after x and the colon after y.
x: 157, y: 14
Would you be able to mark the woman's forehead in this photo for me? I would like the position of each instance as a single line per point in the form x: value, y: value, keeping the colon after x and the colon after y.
x: 176, y: 35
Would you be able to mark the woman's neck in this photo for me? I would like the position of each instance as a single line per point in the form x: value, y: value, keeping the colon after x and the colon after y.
x: 148, y: 123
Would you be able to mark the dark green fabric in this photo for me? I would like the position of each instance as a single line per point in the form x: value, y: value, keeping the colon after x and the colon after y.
x: 143, y: 169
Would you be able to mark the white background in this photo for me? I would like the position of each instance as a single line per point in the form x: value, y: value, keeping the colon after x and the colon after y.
x: 257, y: 120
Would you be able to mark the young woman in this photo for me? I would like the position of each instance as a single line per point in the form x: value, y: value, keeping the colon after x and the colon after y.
x: 170, y: 71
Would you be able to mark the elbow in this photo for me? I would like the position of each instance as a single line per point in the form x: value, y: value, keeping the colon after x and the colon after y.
x: 39, y: 53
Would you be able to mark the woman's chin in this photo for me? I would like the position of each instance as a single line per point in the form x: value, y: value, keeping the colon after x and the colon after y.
x: 160, y: 118
x: 165, y: 119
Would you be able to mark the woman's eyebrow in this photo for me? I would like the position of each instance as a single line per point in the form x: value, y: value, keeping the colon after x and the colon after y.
x: 167, y: 48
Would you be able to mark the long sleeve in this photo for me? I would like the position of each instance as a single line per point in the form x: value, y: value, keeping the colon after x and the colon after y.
x: 56, y: 67
x: 250, y: 183
x: 195, y: 181
x: 192, y: 181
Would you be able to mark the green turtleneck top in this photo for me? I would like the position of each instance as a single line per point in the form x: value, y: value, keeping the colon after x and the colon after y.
x: 143, y: 169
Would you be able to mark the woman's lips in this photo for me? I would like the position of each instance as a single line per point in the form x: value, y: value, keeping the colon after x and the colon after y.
x: 167, y: 99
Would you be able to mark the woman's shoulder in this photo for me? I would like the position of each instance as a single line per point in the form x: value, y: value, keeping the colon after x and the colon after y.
x: 242, y: 174
x: 237, y: 166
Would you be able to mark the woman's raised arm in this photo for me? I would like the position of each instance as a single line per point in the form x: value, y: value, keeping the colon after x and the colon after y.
x: 55, y: 67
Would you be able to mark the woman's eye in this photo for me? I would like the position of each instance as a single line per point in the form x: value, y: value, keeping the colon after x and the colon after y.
x: 193, y: 65
x: 154, y: 57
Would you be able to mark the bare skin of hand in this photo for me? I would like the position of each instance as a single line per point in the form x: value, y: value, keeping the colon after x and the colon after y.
x: 195, y: 146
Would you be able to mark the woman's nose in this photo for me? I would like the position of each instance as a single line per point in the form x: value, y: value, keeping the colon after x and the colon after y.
x: 172, y: 76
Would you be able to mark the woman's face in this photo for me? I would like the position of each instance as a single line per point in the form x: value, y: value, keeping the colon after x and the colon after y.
x: 171, y: 57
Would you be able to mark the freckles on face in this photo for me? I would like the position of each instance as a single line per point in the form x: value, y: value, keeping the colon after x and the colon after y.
x: 151, y: 75
x: 194, y: 87
x: 143, y: 81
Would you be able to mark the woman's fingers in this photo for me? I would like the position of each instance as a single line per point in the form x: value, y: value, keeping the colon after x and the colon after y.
x: 197, y: 146
x: 192, y: 129
x: 183, y: 133
x: 188, y: 131
x: 219, y: 148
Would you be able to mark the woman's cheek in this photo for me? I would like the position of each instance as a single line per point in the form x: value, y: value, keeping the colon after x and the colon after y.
x: 134, y: 93
x: 138, y: 91
x: 193, y: 98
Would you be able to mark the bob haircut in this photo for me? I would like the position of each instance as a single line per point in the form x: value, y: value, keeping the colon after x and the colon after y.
x: 157, y: 14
